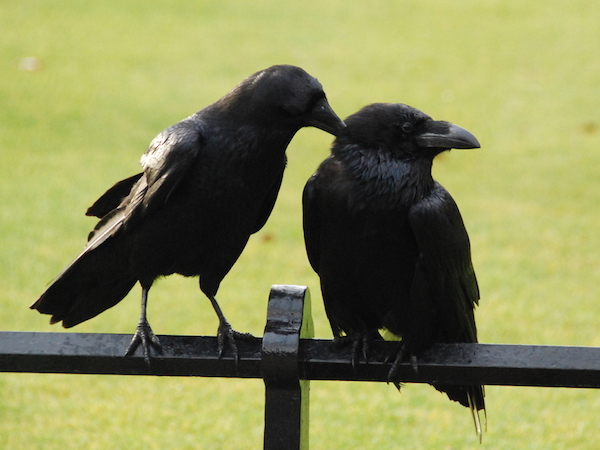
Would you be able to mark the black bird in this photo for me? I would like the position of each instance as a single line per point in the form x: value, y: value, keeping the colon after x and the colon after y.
x: 209, y: 182
x: 388, y: 241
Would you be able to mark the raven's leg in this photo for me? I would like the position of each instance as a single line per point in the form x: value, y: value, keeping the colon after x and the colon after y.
x: 225, y: 333
x: 400, y: 356
x: 144, y: 335
x: 360, y: 341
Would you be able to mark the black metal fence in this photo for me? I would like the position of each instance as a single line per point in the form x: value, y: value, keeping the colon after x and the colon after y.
x: 287, y: 358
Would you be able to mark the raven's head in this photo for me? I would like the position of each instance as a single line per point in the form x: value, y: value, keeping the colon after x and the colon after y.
x: 405, y: 131
x: 284, y: 96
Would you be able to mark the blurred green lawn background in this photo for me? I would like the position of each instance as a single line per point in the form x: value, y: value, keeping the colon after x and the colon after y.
x: 524, y: 77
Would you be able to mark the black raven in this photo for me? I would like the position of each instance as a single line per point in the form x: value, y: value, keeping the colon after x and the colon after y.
x: 388, y: 241
x: 209, y: 182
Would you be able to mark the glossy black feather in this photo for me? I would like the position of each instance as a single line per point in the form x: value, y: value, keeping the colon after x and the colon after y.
x: 208, y: 183
x: 388, y: 241
x: 112, y: 198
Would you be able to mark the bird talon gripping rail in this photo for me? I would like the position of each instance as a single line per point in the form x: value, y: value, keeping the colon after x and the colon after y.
x: 287, y: 363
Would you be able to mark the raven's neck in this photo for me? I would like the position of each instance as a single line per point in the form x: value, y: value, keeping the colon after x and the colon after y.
x: 261, y: 133
x: 386, y: 180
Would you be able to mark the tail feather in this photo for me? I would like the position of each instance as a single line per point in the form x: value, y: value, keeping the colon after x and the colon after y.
x: 470, y: 396
x: 94, y: 282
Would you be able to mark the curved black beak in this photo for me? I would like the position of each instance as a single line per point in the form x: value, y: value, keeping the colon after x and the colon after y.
x: 323, y: 117
x: 446, y: 135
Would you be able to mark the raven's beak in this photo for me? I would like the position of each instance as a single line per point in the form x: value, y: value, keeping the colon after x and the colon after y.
x: 324, y: 118
x: 446, y: 135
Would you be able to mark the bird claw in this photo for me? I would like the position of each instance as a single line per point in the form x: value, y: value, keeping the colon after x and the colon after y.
x: 226, y: 336
x: 400, y: 357
x: 360, y: 346
x: 144, y: 336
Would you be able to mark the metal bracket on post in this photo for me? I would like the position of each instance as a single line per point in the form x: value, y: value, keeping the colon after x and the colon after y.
x: 286, y: 396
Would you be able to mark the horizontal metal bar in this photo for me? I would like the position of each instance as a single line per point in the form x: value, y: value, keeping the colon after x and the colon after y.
x: 518, y: 365
x: 99, y: 353
x: 513, y: 365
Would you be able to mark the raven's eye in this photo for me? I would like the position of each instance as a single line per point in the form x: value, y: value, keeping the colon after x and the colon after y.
x: 407, y: 127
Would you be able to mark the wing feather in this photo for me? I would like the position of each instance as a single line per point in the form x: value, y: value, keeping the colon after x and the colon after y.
x: 445, y: 287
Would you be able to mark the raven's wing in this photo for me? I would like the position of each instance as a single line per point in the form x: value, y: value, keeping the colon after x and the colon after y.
x: 112, y: 198
x: 328, y: 186
x: 166, y: 163
x: 81, y: 291
x: 310, y: 221
x: 319, y: 186
x: 444, y: 291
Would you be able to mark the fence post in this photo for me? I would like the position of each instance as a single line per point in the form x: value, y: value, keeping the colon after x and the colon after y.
x: 286, y: 396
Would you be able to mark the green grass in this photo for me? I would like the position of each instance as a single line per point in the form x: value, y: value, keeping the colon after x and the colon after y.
x: 524, y: 77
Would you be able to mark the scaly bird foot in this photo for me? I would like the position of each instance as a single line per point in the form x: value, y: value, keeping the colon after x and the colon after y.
x: 226, y: 337
x: 144, y: 336
x: 360, y: 346
x: 400, y: 356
